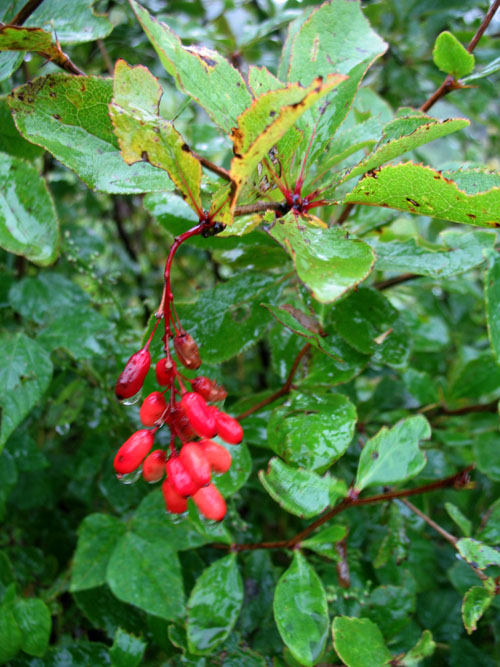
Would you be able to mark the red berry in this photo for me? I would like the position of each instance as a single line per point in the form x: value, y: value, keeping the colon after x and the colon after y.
x: 196, y: 463
x: 132, y: 376
x: 174, y: 503
x: 228, y: 429
x: 199, y: 415
x: 180, y: 423
x: 209, y: 389
x: 130, y: 455
x: 152, y: 408
x: 180, y: 478
x: 165, y: 372
x: 210, y: 503
x: 153, y: 467
x: 187, y: 351
x: 220, y: 459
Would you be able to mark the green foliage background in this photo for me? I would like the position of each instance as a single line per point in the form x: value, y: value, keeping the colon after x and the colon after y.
x: 399, y: 389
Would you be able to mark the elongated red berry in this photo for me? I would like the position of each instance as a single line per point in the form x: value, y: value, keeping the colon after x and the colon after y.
x: 199, y: 415
x: 187, y: 351
x: 165, y: 372
x: 174, y: 503
x: 180, y: 424
x: 153, y: 467
x: 132, y: 376
x: 210, y: 503
x: 218, y: 456
x: 180, y: 478
x: 131, y: 454
x: 196, y: 463
x: 152, y: 408
x: 209, y: 389
x: 228, y: 429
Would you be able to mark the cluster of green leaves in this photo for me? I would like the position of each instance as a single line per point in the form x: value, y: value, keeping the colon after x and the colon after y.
x: 399, y: 383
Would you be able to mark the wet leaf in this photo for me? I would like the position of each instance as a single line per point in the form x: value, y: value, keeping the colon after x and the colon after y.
x: 214, y: 605
x: 393, y: 455
x: 301, y: 612
x: 424, y: 648
x: 359, y: 642
x: 327, y: 262
x: 51, y: 112
x: 28, y: 219
x: 451, y: 57
x: 476, y: 601
x: 492, y: 302
x: 34, y: 620
x: 478, y: 554
x: 127, y: 650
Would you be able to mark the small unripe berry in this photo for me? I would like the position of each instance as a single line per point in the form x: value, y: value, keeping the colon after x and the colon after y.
x: 180, y: 478
x: 153, y: 467
x: 152, y: 408
x: 210, y: 503
x: 196, y: 463
x: 218, y: 456
x: 131, y: 454
x: 187, y: 351
x: 228, y: 429
x: 199, y: 415
x: 174, y: 503
x: 132, y: 376
x: 165, y: 372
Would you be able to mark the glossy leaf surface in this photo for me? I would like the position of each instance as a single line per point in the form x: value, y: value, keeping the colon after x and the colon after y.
x: 359, y: 642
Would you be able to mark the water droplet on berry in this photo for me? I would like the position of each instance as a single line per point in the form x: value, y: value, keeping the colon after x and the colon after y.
x: 176, y: 518
x: 132, y: 400
x: 131, y: 477
x: 62, y: 429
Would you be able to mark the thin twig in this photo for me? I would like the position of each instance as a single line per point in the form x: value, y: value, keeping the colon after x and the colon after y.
x: 211, y: 166
x: 457, y: 481
x: 450, y: 83
x: 26, y: 11
x: 444, y: 533
x: 397, y: 280
x: 105, y: 56
x: 285, y: 389
x: 345, y: 214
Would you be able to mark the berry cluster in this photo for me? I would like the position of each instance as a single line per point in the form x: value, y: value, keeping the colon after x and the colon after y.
x: 189, y: 466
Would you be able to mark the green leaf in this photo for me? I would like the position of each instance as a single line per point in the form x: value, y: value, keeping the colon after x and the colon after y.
x: 214, y: 605
x: 335, y: 37
x: 11, y: 141
x: 486, y: 449
x: 323, y: 543
x: 451, y: 57
x: 425, y: 191
x: 147, y: 574
x: 476, y: 601
x: 104, y: 611
x: 34, y: 620
x: 475, y: 375
x: 359, y: 643
x: 402, y: 135
x: 301, y: 492
x: 11, y: 638
x: 480, y: 73
x: 460, y: 252
x: 72, y: 23
x: 98, y: 535
x: 393, y: 455
x: 390, y: 608
x: 424, y: 648
x: 199, y: 72
x: 395, y: 542
x: 79, y: 653
x: 14, y: 38
x: 127, y: 650
x: 8, y: 480
x: 490, y: 529
x: 260, y: 126
x: 492, y: 303
x: 144, y: 135
x: 28, y: 220
x: 312, y: 432
x: 478, y: 554
x: 327, y: 262
x: 459, y: 518
x: 80, y: 332
x: 25, y: 373
x: 233, y: 319
x: 370, y: 323
x: 301, y: 611
x: 52, y: 112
